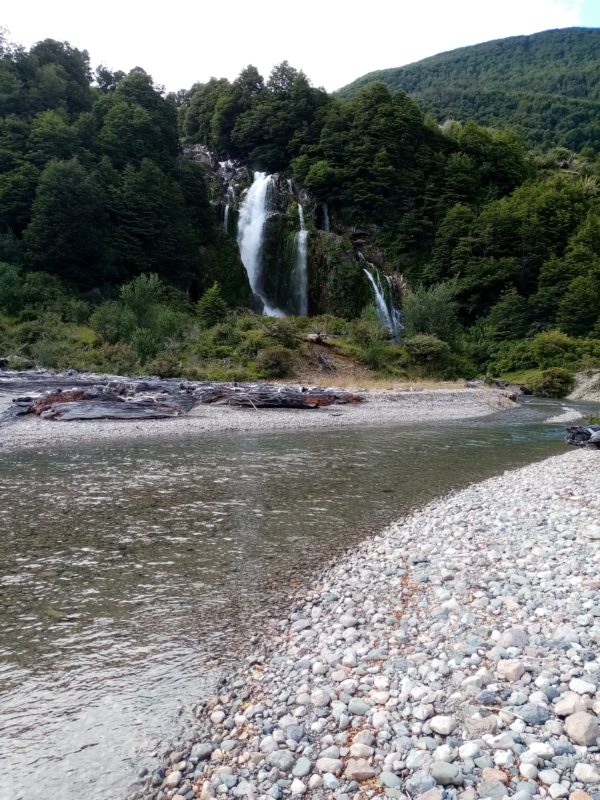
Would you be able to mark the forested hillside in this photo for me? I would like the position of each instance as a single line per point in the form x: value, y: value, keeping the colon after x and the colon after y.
x: 115, y: 253
x: 545, y: 86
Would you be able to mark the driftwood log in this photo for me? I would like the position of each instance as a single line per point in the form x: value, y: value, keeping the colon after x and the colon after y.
x: 79, y: 397
x: 583, y: 436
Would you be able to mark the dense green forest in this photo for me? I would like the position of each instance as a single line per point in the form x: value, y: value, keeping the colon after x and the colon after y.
x: 113, y: 254
x: 545, y: 86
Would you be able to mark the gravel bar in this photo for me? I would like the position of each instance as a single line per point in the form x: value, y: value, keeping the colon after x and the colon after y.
x: 454, y: 656
x: 380, y: 408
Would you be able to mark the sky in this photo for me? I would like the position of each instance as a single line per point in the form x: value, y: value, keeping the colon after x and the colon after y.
x: 333, y: 41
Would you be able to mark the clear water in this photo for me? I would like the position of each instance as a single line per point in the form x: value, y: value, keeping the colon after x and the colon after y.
x: 131, y: 573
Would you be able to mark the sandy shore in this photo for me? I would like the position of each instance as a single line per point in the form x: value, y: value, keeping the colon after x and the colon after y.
x: 454, y: 657
x: 380, y: 408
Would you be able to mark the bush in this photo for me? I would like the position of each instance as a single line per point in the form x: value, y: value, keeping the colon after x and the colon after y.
x: 367, y: 330
x: 211, y: 307
x: 11, y: 292
x: 374, y: 355
x: 424, y: 350
x: 432, y: 311
x: 113, y: 323
x: 283, y: 331
x: 275, y: 362
x: 553, y: 382
x: 553, y: 348
x: 328, y: 323
x: 120, y: 358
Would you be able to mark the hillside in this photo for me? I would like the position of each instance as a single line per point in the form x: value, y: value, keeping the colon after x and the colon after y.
x: 122, y: 251
x: 546, y: 86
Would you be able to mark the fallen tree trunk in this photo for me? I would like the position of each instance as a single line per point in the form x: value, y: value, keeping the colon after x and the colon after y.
x: 582, y: 436
x: 153, y: 398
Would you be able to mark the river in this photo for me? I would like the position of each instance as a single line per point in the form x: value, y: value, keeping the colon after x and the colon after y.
x: 132, y: 573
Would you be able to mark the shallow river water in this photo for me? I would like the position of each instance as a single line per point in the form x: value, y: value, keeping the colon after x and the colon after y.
x: 131, y: 573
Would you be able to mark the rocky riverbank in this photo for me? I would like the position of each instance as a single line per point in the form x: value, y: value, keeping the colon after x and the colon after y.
x: 379, y: 408
x: 454, y: 656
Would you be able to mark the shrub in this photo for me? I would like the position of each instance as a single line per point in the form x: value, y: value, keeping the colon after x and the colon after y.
x: 432, y: 311
x: 275, y: 362
x: 112, y: 322
x: 11, y: 292
x: 425, y: 349
x: 553, y: 348
x: 120, y: 358
x: 374, y: 355
x: 283, y: 331
x: 553, y: 382
x: 328, y: 323
x: 368, y: 330
x: 211, y: 307
x: 141, y: 295
x: 165, y: 367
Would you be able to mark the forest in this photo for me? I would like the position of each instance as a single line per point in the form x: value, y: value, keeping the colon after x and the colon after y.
x: 113, y: 255
x: 543, y: 86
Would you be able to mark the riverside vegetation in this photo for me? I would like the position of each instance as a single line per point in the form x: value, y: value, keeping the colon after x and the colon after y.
x: 119, y: 254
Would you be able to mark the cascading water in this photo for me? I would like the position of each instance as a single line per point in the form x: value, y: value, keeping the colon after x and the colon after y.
x: 300, y: 269
x: 230, y: 198
x: 325, y: 218
x: 388, y: 312
x: 254, y: 211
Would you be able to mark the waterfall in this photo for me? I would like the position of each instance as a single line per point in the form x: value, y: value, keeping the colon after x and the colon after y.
x: 254, y: 211
x: 229, y: 199
x: 325, y: 218
x: 388, y: 312
x: 300, y: 276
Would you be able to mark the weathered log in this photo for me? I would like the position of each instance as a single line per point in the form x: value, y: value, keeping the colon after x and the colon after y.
x: 583, y: 436
x: 153, y: 398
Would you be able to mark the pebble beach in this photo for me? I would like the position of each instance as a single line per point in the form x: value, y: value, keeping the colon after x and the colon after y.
x: 455, y: 656
x: 379, y: 408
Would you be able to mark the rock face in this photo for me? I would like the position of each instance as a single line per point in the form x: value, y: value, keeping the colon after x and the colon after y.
x: 481, y: 681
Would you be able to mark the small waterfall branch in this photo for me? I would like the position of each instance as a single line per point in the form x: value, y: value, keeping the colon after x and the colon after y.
x: 386, y: 297
x: 301, y: 267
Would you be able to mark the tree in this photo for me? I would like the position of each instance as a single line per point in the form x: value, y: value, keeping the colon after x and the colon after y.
x: 68, y: 224
x: 211, y: 307
x: 579, y: 308
x: 432, y: 311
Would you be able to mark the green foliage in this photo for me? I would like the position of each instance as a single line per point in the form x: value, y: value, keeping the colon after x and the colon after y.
x: 64, y: 236
x: 368, y: 331
x: 141, y: 295
x: 112, y: 322
x: 545, y: 86
x: 579, y: 308
x: 11, y: 292
x: 509, y: 318
x: 275, y: 362
x: 553, y: 382
x: 425, y: 350
x: 432, y: 310
x: 211, y: 307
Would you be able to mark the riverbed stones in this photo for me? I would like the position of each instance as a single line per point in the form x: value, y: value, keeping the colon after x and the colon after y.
x: 359, y: 770
x: 510, y: 670
x: 582, y: 728
x: 480, y: 683
x: 446, y: 774
x: 444, y: 725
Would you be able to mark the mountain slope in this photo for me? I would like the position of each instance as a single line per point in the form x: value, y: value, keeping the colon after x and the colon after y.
x: 546, y: 86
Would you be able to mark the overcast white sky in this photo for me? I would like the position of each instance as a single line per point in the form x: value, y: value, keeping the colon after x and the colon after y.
x: 333, y: 41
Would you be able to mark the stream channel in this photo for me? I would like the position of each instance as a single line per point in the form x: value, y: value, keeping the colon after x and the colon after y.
x: 132, y: 573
